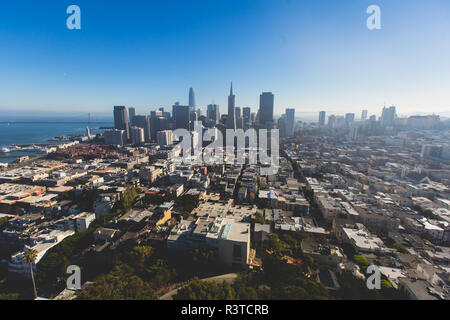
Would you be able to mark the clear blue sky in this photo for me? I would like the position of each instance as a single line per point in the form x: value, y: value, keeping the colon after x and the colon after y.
x: 312, y: 54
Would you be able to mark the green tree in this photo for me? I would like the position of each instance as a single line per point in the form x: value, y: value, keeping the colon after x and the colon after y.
x: 361, y: 261
x: 3, y: 222
x: 400, y: 247
x: 259, y: 218
x: 139, y: 255
x: 30, y: 256
x: 275, y: 243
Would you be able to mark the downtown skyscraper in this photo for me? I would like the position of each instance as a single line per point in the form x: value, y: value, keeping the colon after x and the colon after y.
x: 121, y: 120
x: 213, y: 114
x: 266, y: 104
x: 191, y: 98
x: 231, y: 119
x: 322, y: 116
x: 290, y: 122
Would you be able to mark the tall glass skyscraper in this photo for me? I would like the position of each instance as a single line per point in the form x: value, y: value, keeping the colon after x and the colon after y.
x: 266, y: 102
x: 290, y: 122
x: 191, y: 98
x: 121, y: 119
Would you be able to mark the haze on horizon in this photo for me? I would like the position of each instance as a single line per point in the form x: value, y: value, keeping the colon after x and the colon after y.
x: 313, y: 55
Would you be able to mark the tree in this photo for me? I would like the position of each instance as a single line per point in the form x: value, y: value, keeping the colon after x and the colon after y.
x: 275, y: 243
x: 386, y: 284
x: 361, y: 261
x: 400, y: 247
x: 259, y: 218
x: 3, y: 222
x: 139, y: 256
x: 30, y: 256
x: 187, y: 202
x: 204, y: 290
x: 120, y: 284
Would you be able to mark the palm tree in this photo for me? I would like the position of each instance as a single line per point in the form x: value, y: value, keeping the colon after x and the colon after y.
x: 30, y: 256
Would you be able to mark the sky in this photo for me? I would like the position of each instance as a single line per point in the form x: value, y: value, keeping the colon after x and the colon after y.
x: 313, y: 55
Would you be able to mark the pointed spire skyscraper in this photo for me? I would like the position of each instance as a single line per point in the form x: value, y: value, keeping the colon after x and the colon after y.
x: 231, y: 119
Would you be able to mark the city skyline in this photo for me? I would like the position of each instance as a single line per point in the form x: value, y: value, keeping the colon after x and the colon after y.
x: 312, y: 56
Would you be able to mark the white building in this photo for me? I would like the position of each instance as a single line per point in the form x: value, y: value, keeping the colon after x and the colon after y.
x: 42, y: 244
x: 231, y: 239
x: 164, y: 138
x: 137, y: 135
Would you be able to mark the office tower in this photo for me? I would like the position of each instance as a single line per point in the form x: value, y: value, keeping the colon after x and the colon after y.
x: 290, y: 122
x: 144, y: 123
x: 137, y: 135
x: 154, y: 123
x: 266, y: 103
x: 253, y: 117
x: 373, y: 118
x: 213, y: 114
x: 131, y: 114
x: 238, y: 112
x: 322, y: 115
x: 182, y: 117
x: 164, y: 138
x: 364, y: 115
x: 282, y: 125
x: 231, y: 118
x: 354, y: 130
x: 240, y: 123
x: 191, y: 98
x: 193, y: 117
x: 340, y: 122
x: 239, y: 120
x: 349, y: 119
x: 121, y: 120
x: 388, y: 116
x: 331, y: 121
x: 246, y: 114
x: 115, y: 137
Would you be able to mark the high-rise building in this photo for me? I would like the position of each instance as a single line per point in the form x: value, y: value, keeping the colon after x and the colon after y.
x: 159, y: 120
x: 144, y: 123
x: 131, y: 114
x: 191, y: 98
x: 213, y: 114
x: 246, y: 114
x: 164, y: 138
x: 349, y: 119
x: 266, y: 104
x: 231, y: 118
x: 282, y: 125
x: 193, y: 117
x: 388, y: 116
x: 364, y: 115
x: 121, y: 120
x: 137, y: 135
x: 290, y: 122
x: 331, y: 121
x: 182, y: 117
x: 115, y: 137
x: 238, y: 112
x: 354, y: 130
x: 322, y: 115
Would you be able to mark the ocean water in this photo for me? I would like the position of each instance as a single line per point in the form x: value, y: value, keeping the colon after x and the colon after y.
x: 23, y: 133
